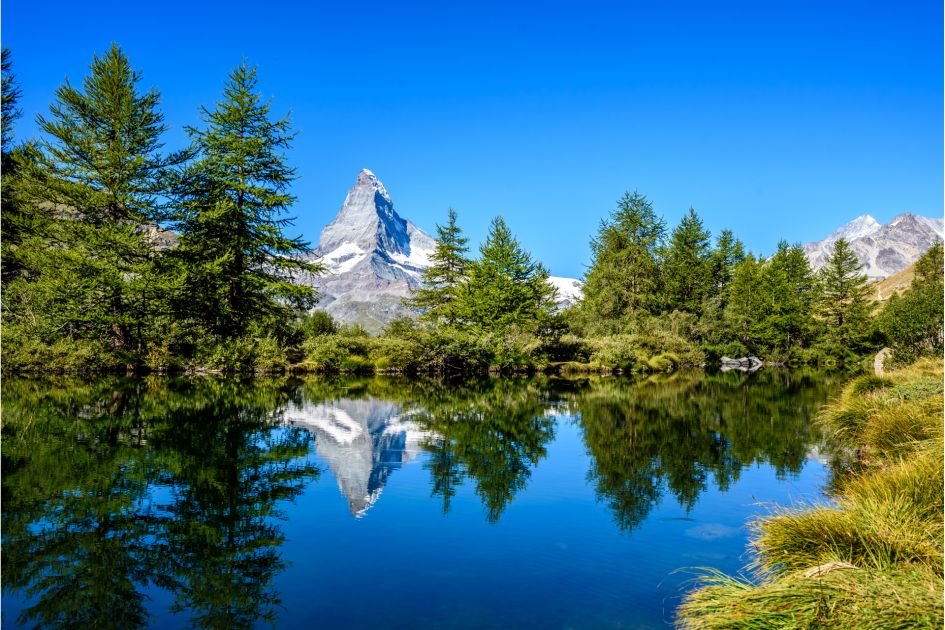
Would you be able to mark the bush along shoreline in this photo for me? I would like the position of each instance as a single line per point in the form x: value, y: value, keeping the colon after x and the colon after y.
x: 873, y: 557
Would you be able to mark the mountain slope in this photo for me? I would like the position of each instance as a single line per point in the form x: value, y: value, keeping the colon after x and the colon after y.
x: 883, y: 250
x: 375, y: 258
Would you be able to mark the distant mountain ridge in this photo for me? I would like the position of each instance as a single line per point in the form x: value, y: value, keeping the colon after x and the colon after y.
x: 883, y: 250
x: 375, y: 258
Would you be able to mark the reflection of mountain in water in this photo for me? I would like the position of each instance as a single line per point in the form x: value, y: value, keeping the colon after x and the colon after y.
x: 362, y: 441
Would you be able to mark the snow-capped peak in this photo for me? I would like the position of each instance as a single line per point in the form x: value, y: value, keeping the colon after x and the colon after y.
x: 859, y: 227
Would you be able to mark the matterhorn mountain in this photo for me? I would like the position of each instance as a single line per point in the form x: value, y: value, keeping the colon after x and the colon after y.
x: 374, y: 258
x: 882, y: 249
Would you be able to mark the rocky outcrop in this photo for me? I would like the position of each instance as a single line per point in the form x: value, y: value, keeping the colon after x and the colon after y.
x: 882, y: 249
x: 373, y: 256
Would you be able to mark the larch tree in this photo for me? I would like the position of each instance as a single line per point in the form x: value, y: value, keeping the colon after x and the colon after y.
x: 441, y: 280
x: 623, y: 278
x: 505, y: 286
x: 239, y: 266
x: 687, y: 272
x: 844, y: 304
x: 98, y: 176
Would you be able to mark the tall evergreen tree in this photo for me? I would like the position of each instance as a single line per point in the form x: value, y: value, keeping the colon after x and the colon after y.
x: 748, y: 304
x: 11, y: 93
x: 505, y: 286
x: 239, y: 265
x: 623, y: 278
x: 448, y: 266
x: 791, y: 288
x: 844, y: 304
x: 98, y: 176
x: 687, y: 273
x: 726, y: 255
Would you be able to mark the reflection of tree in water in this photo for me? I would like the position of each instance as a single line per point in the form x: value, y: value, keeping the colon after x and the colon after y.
x: 81, y: 533
x: 674, y: 433
x: 492, y: 431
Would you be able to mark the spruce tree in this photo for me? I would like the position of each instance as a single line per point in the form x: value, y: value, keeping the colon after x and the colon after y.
x: 505, y: 287
x: 844, y: 305
x: 623, y: 278
x: 98, y: 176
x: 239, y: 266
x: 448, y: 266
x: 687, y: 274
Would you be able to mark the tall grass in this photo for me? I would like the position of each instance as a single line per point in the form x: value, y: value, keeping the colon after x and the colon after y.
x: 874, y: 557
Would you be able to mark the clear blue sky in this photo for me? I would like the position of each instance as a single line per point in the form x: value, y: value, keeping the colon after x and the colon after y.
x: 777, y: 119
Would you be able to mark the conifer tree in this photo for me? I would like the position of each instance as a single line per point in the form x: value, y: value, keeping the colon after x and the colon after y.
x: 448, y: 266
x: 98, y: 175
x: 748, y: 304
x: 687, y: 274
x: 11, y: 93
x: 239, y: 266
x: 623, y: 278
x: 505, y: 286
x: 844, y: 306
x: 791, y: 288
x: 726, y: 255
x: 913, y: 323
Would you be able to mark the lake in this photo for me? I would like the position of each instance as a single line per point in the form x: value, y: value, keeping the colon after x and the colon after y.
x: 389, y: 502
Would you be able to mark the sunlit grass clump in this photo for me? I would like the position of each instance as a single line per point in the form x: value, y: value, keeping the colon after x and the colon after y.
x: 874, y: 557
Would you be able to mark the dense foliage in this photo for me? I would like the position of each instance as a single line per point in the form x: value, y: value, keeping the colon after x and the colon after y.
x: 118, y: 254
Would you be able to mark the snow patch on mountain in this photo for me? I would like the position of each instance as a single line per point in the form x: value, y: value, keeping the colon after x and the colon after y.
x: 374, y: 259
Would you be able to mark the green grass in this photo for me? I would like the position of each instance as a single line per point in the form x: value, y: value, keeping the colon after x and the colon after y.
x: 884, y: 528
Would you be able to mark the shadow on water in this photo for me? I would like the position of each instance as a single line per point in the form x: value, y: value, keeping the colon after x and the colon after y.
x: 114, y: 487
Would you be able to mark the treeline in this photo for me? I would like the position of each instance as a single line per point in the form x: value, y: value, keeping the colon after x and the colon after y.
x: 119, y: 254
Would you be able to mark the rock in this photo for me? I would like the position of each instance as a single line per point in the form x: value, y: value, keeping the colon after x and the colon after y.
x: 879, y: 361
x: 744, y: 364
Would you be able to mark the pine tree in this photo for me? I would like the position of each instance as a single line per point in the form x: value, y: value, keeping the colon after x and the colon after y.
x: 624, y: 275
x: 239, y: 266
x: 98, y: 176
x: 687, y: 274
x: 448, y: 266
x: 844, y: 306
x: 505, y: 286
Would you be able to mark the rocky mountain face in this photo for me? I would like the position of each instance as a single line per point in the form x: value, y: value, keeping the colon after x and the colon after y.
x: 363, y: 442
x: 883, y: 250
x: 375, y: 258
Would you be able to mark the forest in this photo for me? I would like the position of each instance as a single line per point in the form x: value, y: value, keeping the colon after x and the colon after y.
x: 120, y: 255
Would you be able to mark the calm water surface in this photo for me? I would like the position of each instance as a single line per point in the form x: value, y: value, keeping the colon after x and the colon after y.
x: 366, y: 503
